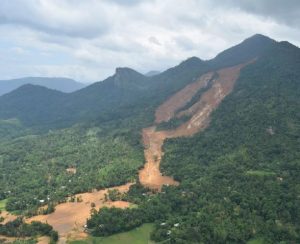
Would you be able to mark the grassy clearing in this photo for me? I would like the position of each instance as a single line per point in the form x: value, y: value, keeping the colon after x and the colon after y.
x: 3, y: 204
x: 256, y: 241
x: 260, y: 173
x: 140, y: 235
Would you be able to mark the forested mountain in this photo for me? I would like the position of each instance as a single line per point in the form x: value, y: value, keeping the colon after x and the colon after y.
x: 115, y: 96
x: 236, y: 179
x: 239, y: 179
x: 60, y: 84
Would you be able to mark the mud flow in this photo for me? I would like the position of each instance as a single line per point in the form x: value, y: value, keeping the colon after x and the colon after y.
x: 69, y: 218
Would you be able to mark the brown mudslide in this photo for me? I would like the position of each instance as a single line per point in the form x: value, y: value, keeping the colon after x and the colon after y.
x: 167, y: 110
x: 69, y: 218
x: 150, y: 176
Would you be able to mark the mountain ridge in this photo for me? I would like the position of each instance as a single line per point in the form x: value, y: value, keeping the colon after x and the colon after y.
x: 127, y: 87
x: 228, y: 171
x: 65, y: 85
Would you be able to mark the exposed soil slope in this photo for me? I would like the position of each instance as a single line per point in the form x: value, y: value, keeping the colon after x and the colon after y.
x: 150, y: 176
x: 69, y: 218
x: 167, y: 110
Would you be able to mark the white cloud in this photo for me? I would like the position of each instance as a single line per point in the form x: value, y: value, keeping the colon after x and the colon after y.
x: 87, y: 39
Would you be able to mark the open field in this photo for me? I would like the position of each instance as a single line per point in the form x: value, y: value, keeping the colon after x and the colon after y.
x: 140, y: 235
x: 2, y: 204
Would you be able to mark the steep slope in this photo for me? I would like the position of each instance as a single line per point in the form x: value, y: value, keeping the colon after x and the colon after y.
x: 251, y: 48
x: 243, y: 170
x: 59, y: 84
x: 199, y: 116
x: 127, y: 92
x: 239, y: 178
x: 111, y: 97
x: 69, y: 218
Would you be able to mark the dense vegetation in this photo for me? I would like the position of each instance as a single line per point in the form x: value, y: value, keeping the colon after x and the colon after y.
x: 18, y: 228
x: 12, y: 128
x: 34, y: 169
x: 108, y: 221
x: 240, y: 177
x: 125, y: 94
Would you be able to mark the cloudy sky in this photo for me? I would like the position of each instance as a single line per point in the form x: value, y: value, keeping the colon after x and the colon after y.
x: 87, y: 39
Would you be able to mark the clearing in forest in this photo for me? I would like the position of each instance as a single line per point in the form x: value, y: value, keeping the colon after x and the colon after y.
x: 69, y: 218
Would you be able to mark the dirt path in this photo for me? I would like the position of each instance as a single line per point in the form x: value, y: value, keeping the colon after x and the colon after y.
x: 150, y: 176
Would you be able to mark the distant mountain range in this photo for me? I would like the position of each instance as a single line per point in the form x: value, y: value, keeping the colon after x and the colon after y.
x: 60, y: 84
x: 116, y: 95
x: 227, y: 130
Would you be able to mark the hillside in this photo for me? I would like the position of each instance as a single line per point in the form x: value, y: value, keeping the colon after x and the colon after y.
x: 244, y: 169
x: 208, y: 151
x: 59, y: 84
x: 126, y: 92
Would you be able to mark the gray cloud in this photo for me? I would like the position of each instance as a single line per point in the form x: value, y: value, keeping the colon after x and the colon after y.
x: 154, y: 40
x: 287, y: 11
x: 70, y: 18
x: 87, y: 39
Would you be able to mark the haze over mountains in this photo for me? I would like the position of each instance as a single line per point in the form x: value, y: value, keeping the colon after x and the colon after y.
x: 60, y: 84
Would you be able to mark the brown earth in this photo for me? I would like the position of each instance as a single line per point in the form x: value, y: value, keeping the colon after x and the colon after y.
x: 167, y: 110
x: 43, y: 240
x: 69, y: 218
x: 150, y: 176
x: 208, y: 102
x: 71, y: 170
x: 7, y: 216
